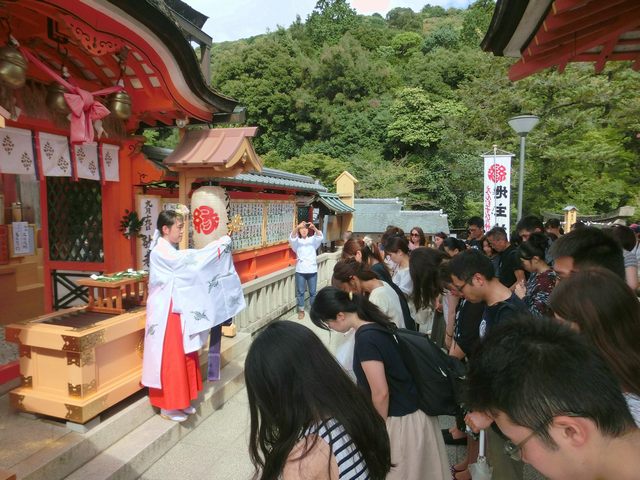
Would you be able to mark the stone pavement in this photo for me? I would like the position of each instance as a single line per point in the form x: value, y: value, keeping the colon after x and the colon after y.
x: 217, y: 449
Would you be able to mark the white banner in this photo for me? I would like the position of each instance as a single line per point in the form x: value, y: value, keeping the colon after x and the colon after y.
x: 148, y: 209
x: 16, y: 152
x: 497, y: 191
x: 87, y: 161
x: 110, y: 162
x: 54, y: 152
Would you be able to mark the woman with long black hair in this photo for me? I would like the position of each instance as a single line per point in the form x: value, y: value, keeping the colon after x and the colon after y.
x: 417, y: 448
x: 308, y: 419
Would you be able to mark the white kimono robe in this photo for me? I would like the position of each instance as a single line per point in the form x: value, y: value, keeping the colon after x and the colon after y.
x: 205, y: 290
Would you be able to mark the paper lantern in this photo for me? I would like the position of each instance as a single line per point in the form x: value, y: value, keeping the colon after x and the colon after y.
x: 208, y: 215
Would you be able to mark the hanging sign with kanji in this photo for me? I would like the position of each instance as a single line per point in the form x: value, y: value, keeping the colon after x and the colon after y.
x: 497, y: 191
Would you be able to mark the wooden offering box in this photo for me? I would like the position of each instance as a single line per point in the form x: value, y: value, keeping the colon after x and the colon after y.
x: 76, y: 363
x: 112, y: 296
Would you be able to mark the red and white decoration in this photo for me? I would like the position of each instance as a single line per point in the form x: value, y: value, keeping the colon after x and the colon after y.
x: 208, y: 215
x: 16, y: 152
x: 110, y: 163
x: 497, y: 191
x: 54, y: 152
x: 86, y: 156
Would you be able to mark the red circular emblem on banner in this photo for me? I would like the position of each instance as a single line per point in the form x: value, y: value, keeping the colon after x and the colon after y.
x: 497, y: 173
x: 205, y: 220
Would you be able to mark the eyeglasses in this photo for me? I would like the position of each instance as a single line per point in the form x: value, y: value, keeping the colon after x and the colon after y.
x: 514, y: 451
x: 459, y: 288
x: 415, y: 234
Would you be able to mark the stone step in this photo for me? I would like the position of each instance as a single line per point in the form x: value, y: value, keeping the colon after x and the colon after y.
x: 129, y: 457
x: 69, y: 450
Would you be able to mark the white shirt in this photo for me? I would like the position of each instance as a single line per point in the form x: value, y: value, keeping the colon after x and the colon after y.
x: 305, y: 249
x: 402, y: 278
x: 386, y: 299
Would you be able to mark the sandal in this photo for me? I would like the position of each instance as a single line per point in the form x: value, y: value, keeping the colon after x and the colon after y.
x: 173, y: 415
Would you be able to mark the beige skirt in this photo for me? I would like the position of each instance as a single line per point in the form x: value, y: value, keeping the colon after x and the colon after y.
x: 417, y: 448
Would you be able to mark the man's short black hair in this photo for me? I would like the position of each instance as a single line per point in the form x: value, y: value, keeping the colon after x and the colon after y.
x: 534, y: 369
x: 476, y: 222
x: 590, y: 246
x: 530, y: 223
x: 466, y: 264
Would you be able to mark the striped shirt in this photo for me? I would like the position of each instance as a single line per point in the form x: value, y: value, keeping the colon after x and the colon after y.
x: 351, y: 465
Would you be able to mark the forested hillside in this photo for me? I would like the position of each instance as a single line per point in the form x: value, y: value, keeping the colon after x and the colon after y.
x: 407, y: 103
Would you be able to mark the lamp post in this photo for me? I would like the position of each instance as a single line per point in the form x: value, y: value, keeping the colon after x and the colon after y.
x: 522, y: 125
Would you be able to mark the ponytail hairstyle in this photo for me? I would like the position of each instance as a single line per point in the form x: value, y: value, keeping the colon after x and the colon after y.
x: 345, y: 269
x: 331, y: 300
x: 367, y: 248
x: 391, y: 232
x: 453, y: 243
x: 167, y: 218
x: 536, y: 246
x: 426, y: 269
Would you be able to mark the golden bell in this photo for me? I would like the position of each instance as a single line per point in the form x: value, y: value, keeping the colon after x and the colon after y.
x: 120, y: 104
x: 55, y: 99
x: 13, y: 67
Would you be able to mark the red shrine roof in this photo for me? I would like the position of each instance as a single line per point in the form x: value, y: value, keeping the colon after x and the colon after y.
x: 161, y: 71
x: 218, y: 148
x: 549, y: 33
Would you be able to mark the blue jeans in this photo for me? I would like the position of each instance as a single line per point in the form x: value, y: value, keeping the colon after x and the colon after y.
x: 302, y: 280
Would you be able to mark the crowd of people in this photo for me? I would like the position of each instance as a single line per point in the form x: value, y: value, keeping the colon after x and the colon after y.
x: 548, y: 324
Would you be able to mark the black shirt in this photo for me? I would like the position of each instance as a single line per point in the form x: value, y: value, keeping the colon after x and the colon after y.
x: 509, y: 263
x: 467, y: 325
x: 500, y: 312
x: 374, y: 342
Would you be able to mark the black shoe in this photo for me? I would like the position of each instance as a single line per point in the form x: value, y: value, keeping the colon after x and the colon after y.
x: 449, y: 440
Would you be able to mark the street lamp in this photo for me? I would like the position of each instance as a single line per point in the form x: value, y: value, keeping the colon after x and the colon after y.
x: 522, y: 124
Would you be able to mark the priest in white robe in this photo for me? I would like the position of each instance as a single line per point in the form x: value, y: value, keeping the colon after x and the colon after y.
x: 190, y: 291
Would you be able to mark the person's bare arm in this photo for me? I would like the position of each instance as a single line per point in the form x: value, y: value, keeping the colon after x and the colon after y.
x: 519, y: 278
x: 374, y: 371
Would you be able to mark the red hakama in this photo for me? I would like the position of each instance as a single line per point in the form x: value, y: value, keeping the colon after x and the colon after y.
x: 180, y: 372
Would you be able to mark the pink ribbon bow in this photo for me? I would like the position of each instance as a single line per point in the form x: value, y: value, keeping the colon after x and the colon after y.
x: 84, y: 108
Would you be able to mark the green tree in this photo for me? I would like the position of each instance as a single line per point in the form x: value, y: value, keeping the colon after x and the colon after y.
x: 402, y: 18
x: 406, y: 43
x: 316, y: 165
x: 418, y: 120
x: 476, y: 21
x: 443, y: 36
x: 330, y: 20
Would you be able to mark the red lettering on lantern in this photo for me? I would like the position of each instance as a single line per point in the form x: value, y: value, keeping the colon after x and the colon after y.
x: 205, y: 220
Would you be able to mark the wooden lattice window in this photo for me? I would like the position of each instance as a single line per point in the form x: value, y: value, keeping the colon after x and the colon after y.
x: 75, y: 220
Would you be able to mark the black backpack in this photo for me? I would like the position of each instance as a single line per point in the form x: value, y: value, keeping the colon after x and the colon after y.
x: 439, y: 377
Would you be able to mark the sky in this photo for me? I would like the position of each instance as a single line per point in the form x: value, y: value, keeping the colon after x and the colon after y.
x: 235, y: 19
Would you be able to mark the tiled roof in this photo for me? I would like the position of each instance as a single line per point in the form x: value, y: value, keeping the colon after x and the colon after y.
x: 269, y: 177
x: 277, y: 179
x: 373, y: 215
x: 332, y: 202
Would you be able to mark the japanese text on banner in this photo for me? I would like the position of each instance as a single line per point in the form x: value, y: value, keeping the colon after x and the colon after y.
x: 497, y: 191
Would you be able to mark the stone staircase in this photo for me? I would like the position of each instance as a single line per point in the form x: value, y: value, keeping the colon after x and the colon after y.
x: 125, y: 441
